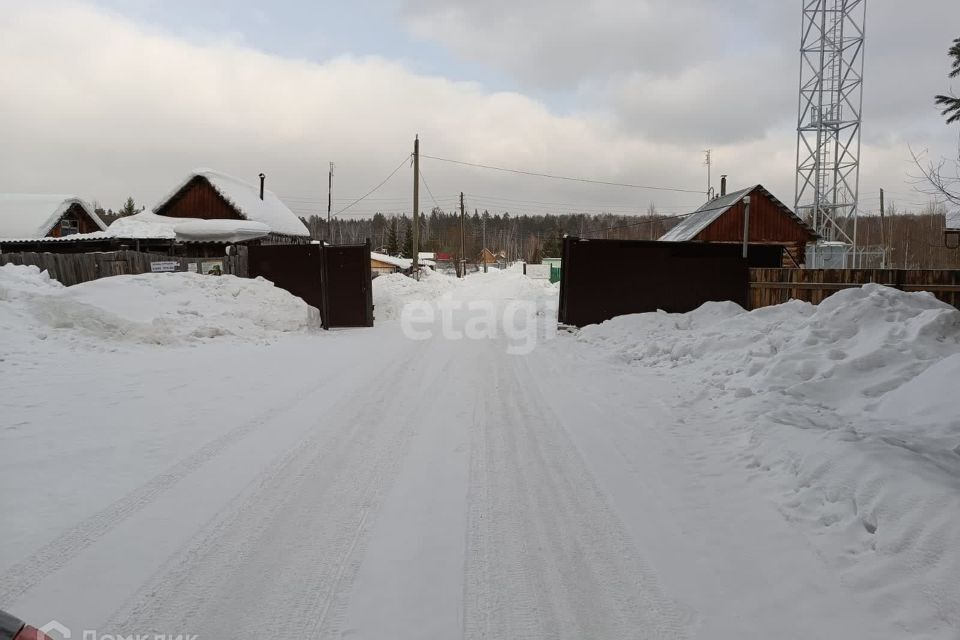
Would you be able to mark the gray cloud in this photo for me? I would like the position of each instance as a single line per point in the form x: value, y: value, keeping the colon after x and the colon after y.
x: 105, y: 107
x: 696, y: 70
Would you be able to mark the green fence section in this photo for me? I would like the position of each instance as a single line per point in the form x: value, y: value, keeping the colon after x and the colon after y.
x: 554, y: 274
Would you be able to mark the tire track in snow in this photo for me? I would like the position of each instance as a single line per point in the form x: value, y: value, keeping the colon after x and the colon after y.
x: 281, y: 559
x: 546, y: 558
x: 23, y: 576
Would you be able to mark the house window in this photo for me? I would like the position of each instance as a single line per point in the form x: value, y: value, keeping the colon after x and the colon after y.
x: 68, y: 227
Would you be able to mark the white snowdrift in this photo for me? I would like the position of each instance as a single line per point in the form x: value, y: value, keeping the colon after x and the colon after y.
x: 394, y: 290
x: 162, y: 308
x: 849, y: 408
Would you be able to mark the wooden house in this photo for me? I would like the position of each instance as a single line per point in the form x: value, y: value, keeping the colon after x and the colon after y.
x: 488, y: 257
x: 211, y: 195
x: 381, y: 264
x: 771, y: 222
x: 33, y: 217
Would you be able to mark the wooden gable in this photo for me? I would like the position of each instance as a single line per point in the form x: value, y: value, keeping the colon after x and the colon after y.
x: 769, y: 223
x: 74, y: 220
x: 198, y: 199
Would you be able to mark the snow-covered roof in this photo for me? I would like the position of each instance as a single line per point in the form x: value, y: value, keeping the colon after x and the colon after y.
x: 953, y: 219
x: 245, y: 198
x: 402, y: 263
x: 220, y: 230
x: 32, y: 216
x: 145, y: 225
x: 149, y: 226
x: 691, y: 226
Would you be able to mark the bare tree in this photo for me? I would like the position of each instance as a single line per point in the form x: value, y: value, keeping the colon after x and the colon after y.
x: 941, y: 179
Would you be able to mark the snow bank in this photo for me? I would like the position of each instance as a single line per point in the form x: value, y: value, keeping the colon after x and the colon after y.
x: 162, y: 308
x: 849, y: 409
x: 847, y: 352
x: 392, y: 291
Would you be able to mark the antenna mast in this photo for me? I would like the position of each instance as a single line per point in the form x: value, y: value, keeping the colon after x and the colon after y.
x: 829, y: 123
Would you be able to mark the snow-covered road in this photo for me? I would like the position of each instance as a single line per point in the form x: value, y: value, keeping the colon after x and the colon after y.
x: 360, y: 484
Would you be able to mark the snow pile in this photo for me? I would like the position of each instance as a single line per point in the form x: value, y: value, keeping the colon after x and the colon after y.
x: 849, y: 409
x: 872, y: 339
x: 394, y: 290
x: 144, y: 225
x: 162, y: 308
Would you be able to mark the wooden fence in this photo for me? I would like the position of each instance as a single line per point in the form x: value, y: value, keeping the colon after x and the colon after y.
x: 775, y: 286
x: 74, y: 268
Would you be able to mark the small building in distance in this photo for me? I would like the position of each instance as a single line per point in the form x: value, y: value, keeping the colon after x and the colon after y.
x: 34, y: 216
x: 771, y: 222
x: 382, y: 264
x: 952, y: 229
x: 491, y: 259
x: 210, y: 195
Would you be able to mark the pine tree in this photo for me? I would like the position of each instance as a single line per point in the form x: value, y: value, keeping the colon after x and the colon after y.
x: 951, y: 104
x: 407, y: 238
x: 393, y: 241
x: 129, y: 208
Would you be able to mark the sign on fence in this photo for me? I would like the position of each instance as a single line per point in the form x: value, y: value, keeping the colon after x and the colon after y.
x: 164, y: 266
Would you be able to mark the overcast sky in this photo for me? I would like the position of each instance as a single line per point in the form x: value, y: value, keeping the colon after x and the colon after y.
x: 111, y: 98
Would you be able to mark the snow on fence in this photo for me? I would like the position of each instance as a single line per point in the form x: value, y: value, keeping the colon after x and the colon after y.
x: 74, y: 268
x: 775, y: 286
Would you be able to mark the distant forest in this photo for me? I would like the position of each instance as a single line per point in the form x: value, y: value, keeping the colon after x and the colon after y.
x: 914, y: 240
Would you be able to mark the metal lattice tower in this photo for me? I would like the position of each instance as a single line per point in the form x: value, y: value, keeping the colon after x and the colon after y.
x: 829, y: 121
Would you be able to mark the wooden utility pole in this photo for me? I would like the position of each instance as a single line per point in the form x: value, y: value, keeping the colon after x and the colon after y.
x: 329, y: 199
x: 463, y: 258
x: 416, y: 207
x: 746, y: 225
x: 883, y: 241
x: 483, y: 225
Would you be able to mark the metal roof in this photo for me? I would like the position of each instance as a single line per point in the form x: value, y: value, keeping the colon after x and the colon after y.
x: 691, y: 226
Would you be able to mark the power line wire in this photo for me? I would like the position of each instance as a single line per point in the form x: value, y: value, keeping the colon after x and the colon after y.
x: 660, y: 219
x: 385, y: 180
x: 557, y: 177
x: 424, y: 180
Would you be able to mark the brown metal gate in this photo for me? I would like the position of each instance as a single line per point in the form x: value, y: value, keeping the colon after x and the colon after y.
x: 333, y: 278
x: 347, y: 286
x: 294, y: 267
x: 602, y: 279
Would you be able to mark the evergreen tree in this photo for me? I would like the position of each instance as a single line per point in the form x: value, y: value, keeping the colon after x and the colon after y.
x: 951, y: 104
x: 129, y: 208
x: 393, y: 241
x: 407, y: 238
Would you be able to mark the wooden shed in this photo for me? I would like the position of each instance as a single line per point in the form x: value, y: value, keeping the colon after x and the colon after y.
x: 771, y: 222
x: 211, y: 195
x: 382, y: 263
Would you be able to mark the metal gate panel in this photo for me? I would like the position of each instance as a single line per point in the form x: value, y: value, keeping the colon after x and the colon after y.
x: 347, y: 286
x: 294, y: 267
x: 602, y: 279
x: 335, y: 279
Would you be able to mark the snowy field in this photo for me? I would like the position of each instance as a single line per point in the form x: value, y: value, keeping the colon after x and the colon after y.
x: 186, y: 454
